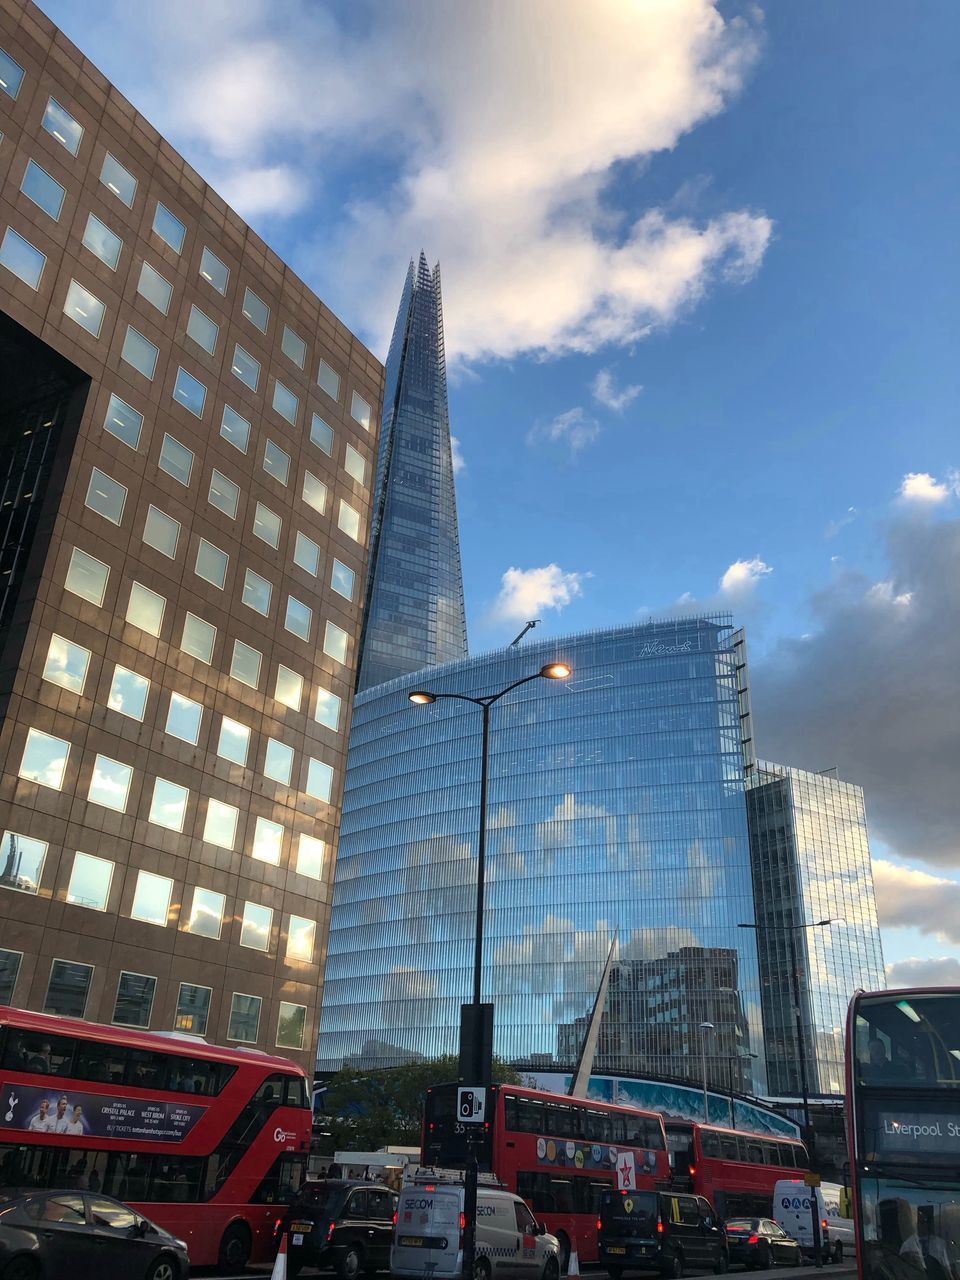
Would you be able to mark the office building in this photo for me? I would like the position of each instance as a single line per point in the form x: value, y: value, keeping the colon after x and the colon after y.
x: 811, y: 862
x: 187, y: 442
x: 414, y: 614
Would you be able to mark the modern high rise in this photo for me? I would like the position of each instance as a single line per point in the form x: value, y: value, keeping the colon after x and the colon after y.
x: 187, y: 440
x: 414, y: 613
x: 811, y: 862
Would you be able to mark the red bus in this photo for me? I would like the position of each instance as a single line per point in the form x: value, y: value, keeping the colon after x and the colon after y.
x: 737, y: 1172
x: 558, y: 1153
x: 203, y: 1140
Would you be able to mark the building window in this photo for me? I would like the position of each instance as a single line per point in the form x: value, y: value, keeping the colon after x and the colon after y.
x: 335, y: 641
x: 267, y: 841
x: 354, y: 465
x: 128, y: 693
x: 67, y: 664
x: 20, y: 257
x: 157, y: 290
x: 87, y: 577
x: 60, y: 124
x: 118, y: 180
x: 267, y: 525
x: 234, y: 741
x: 44, y: 759
x: 203, y: 330
x: 134, y: 1003
x: 68, y: 989
x: 168, y: 806
x: 256, y: 311
x: 206, y: 913
x: 161, y: 531
x: 328, y: 380
x: 151, y: 899
x: 293, y: 348
x: 256, y: 592
x: 328, y: 709
x: 245, y: 664
x: 45, y: 192
x: 90, y: 881
x: 193, y: 1009
x: 360, y: 411
x: 110, y: 784
x: 348, y: 520
x: 244, y: 1018
x: 278, y: 762
x: 299, y: 618
x: 176, y: 460
x: 21, y: 862
x: 198, y: 638
x: 276, y: 462
x: 321, y: 434
x: 190, y: 392
x: 310, y: 854
x: 123, y: 421
x: 224, y: 494
x: 220, y: 824
x: 9, y: 960
x: 211, y: 564
x: 102, y: 242
x: 285, y: 403
x: 306, y: 554
x: 214, y: 272
x: 105, y: 496
x: 301, y: 937
x: 145, y: 609
x: 245, y: 367
x: 139, y: 353
x: 184, y: 718
x: 83, y: 308
x: 342, y: 579
x: 289, y: 688
x: 290, y: 1025
x: 319, y: 780
x: 11, y: 74
x: 169, y: 228
x: 255, y: 926
x: 314, y: 493
x: 234, y: 429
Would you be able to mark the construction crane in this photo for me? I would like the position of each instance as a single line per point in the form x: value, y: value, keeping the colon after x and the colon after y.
x: 529, y: 627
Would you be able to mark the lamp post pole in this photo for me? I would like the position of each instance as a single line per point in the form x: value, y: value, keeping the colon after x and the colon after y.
x: 704, y: 1028
x: 481, y: 1066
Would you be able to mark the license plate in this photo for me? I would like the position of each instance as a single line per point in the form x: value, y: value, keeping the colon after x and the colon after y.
x: 298, y: 1237
x: 305, y: 1227
x: 616, y: 1249
x: 412, y: 1241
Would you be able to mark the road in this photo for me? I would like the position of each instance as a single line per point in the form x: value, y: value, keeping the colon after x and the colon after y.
x: 847, y: 1271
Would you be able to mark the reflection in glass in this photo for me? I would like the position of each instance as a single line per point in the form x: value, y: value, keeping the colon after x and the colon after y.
x: 267, y: 841
x: 161, y: 531
x: 278, y: 761
x: 134, y: 1002
x: 102, y: 242
x: 169, y: 228
x: 234, y: 741
x: 198, y: 636
x: 22, y: 258
x: 342, y: 579
x: 256, y: 592
x: 319, y: 781
x: 82, y: 307
x: 310, y: 853
x: 220, y: 825
x: 21, y: 862
x: 140, y: 353
x: 314, y: 493
x: 327, y: 710
x: 151, y: 900
x: 67, y: 989
x: 256, y: 310
x: 289, y: 688
x: 193, y: 1009
x: 86, y: 576
x: 244, y: 1018
x: 213, y: 271
x: 245, y: 664
x: 118, y: 180
x: 206, y: 913
x: 255, y: 926
x: 60, y: 124
x: 44, y: 759
x: 290, y: 1025
x: 128, y: 693
x: 90, y: 882
x: 110, y: 783
x: 329, y: 380
x: 168, y: 806
x: 67, y: 664
x: 301, y: 935
x: 145, y: 609
x: 123, y: 421
x: 235, y: 429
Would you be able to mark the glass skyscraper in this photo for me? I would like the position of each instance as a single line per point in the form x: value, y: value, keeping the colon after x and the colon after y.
x: 811, y: 861
x: 616, y: 804
x: 414, y: 613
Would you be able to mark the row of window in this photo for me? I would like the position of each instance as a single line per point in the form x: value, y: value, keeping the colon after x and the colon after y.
x: 68, y: 989
x: 48, y: 194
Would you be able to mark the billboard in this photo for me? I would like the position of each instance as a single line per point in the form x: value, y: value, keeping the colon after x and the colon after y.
x: 72, y: 1113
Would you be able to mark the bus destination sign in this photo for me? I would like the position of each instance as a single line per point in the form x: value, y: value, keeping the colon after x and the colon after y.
x: 71, y: 1113
x: 912, y: 1136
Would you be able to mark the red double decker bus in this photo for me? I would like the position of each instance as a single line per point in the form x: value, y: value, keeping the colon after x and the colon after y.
x: 558, y: 1153
x: 203, y: 1140
x: 737, y: 1172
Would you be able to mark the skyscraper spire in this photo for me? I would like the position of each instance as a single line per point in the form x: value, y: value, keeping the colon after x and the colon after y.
x: 414, y: 616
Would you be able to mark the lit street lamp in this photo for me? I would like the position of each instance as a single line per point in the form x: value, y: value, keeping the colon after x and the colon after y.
x: 705, y: 1026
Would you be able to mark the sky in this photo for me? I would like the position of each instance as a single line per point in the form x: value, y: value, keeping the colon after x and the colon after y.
x: 700, y: 280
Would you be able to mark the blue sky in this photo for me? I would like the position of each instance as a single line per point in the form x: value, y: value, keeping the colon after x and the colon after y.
x: 700, y: 281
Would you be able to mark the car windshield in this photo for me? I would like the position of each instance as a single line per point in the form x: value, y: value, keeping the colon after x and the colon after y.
x: 321, y: 1197
x: 634, y: 1214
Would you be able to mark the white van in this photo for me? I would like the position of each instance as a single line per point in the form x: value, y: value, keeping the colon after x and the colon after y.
x: 428, y: 1236
x: 792, y: 1211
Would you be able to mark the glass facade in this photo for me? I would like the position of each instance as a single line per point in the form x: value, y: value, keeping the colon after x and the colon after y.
x: 414, y: 606
x: 615, y: 806
x: 811, y: 861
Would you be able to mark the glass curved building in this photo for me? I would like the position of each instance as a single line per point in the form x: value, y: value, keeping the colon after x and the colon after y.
x: 616, y: 810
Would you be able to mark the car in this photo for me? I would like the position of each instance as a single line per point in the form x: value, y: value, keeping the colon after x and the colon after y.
x: 49, y: 1234
x: 760, y: 1243
x: 335, y: 1224
x: 663, y: 1231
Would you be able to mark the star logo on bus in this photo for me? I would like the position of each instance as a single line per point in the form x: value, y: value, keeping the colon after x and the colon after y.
x: 626, y: 1171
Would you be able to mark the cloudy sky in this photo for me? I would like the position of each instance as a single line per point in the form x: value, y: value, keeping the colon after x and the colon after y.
x: 700, y: 282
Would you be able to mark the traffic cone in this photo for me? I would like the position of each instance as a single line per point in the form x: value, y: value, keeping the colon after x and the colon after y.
x: 280, y: 1266
x: 573, y: 1265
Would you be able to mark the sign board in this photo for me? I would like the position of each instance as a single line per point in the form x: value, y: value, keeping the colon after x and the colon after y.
x: 95, y: 1115
x: 626, y: 1172
x: 811, y: 1179
x: 471, y: 1105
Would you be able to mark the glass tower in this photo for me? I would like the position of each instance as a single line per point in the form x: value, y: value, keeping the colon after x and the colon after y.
x: 414, y: 614
x: 616, y: 804
x: 811, y: 861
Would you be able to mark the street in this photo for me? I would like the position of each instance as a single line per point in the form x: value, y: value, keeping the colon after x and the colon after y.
x: 845, y: 1272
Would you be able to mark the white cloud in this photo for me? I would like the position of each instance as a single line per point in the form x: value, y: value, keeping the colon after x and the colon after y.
x: 834, y: 527
x: 921, y: 488
x: 278, y: 189
x: 525, y: 593
x: 605, y: 392
x: 742, y: 576
x: 572, y: 428
x: 908, y: 897
x: 456, y: 453
x: 914, y: 971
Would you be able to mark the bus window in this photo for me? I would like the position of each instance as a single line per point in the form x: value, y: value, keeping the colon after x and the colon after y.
x: 787, y: 1156
x: 146, y: 1070
x: 729, y: 1147
x: 586, y: 1195
x: 754, y: 1151
x: 710, y: 1142
x: 771, y: 1153
x: 618, y: 1128
x: 529, y: 1116
x: 296, y: 1092
x: 103, y: 1062
x: 559, y: 1121
x: 561, y: 1190
x: 36, y: 1051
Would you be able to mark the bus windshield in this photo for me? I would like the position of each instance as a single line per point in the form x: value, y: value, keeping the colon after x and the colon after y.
x: 910, y: 1228
x: 909, y: 1042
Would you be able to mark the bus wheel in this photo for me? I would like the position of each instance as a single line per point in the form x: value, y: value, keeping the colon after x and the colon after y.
x: 838, y: 1251
x: 235, y: 1247
x: 564, y: 1252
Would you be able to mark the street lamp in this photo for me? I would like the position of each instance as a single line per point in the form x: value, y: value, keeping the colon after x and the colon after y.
x: 481, y: 1068
x: 705, y: 1026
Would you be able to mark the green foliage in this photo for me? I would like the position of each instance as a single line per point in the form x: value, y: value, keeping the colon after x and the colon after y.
x: 367, y: 1110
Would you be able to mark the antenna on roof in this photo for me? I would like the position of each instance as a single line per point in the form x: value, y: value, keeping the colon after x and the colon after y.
x: 529, y: 627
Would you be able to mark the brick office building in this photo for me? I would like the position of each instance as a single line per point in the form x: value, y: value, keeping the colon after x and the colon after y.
x: 186, y: 445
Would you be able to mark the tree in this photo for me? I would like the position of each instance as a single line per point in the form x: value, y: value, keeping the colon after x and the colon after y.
x: 367, y: 1110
